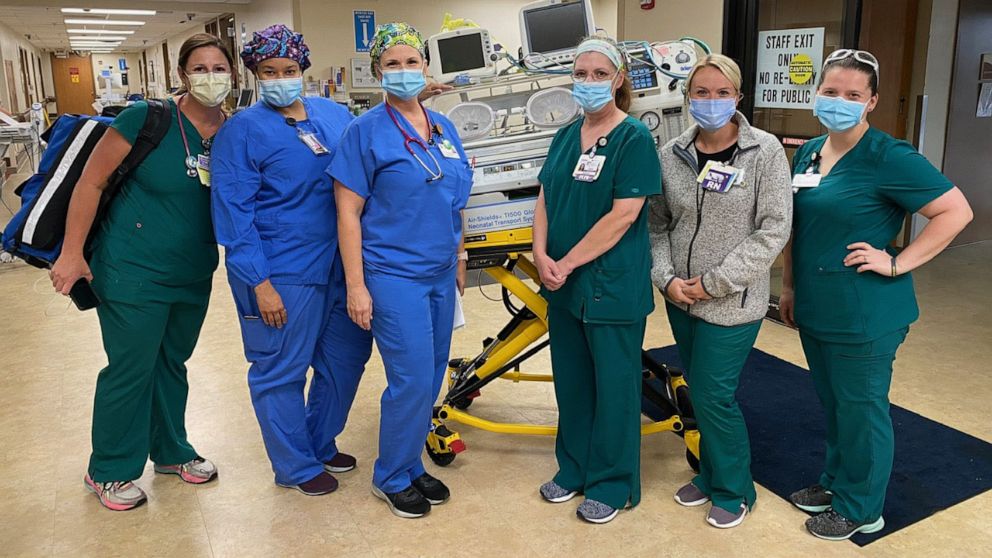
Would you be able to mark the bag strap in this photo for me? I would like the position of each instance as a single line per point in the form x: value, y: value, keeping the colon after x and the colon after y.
x: 156, y: 126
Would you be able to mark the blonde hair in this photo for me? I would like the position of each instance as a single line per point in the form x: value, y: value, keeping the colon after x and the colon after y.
x: 724, y: 64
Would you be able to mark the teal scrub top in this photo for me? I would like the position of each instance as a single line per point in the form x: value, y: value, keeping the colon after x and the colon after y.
x: 615, y: 287
x: 158, y: 231
x: 864, y: 198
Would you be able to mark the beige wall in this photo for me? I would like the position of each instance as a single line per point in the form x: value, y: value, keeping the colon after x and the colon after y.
x: 10, y: 42
x: 109, y: 61
x: 671, y: 19
x: 329, y: 29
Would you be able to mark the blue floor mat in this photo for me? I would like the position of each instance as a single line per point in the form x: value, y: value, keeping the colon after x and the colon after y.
x: 935, y: 467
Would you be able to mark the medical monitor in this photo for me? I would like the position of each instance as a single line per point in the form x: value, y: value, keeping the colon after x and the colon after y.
x: 554, y: 28
x: 466, y: 51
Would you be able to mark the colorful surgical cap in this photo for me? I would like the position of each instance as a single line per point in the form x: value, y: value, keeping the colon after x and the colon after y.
x: 392, y: 34
x: 277, y: 41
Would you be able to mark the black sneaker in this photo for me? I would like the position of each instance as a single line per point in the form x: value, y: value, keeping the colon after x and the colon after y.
x: 832, y: 526
x: 814, y: 499
x: 407, y: 503
x: 432, y: 489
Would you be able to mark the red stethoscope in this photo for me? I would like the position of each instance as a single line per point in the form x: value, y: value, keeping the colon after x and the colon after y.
x: 408, y: 139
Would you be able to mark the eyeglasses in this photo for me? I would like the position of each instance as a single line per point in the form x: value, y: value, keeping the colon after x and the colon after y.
x: 594, y: 77
x: 862, y: 56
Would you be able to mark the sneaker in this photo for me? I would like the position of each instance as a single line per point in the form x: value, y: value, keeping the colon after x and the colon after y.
x: 814, y: 499
x: 324, y: 483
x: 432, y: 489
x: 722, y: 519
x: 690, y: 496
x: 554, y: 493
x: 340, y: 463
x: 118, y: 495
x: 407, y: 503
x: 832, y: 526
x: 197, y: 471
x: 596, y: 512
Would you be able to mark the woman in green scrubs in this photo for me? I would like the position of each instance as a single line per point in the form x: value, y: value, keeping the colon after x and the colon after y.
x: 849, y: 294
x: 591, y: 250
x: 152, y: 263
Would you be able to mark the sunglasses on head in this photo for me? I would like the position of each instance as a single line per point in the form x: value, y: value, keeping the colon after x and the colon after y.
x: 862, y: 56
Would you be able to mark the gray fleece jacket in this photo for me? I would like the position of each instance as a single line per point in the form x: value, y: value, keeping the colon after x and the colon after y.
x: 731, y: 239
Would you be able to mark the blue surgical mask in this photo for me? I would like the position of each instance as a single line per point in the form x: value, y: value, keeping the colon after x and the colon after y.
x: 404, y: 84
x: 592, y: 96
x: 280, y: 92
x: 837, y: 114
x: 712, y: 114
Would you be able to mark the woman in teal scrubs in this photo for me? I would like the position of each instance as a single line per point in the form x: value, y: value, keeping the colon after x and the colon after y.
x: 591, y: 250
x: 848, y: 293
x: 152, y: 265
x: 401, y: 181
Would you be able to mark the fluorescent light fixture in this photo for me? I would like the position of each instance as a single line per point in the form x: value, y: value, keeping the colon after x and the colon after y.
x: 101, y: 31
x: 99, y: 38
x: 102, y: 22
x: 106, y: 11
x: 96, y: 45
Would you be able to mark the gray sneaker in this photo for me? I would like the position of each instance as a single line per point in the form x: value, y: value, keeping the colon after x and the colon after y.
x: 196, y: 471
x: 814, y: 499
x: 832, y: 526
x: 596, y: 512
x: 117, y: 496
x: 554, y: 493
x: 722, y: 519
x: 691, y: 496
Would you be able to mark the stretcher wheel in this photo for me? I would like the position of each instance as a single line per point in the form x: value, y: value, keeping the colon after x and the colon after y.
x: 440, y: 459
x: 692, y: 460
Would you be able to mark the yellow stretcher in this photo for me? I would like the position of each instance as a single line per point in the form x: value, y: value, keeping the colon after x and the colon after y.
x: 501, y: 254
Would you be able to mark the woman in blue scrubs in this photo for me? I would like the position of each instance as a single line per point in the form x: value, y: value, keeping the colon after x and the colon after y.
x: 401, y: 181
x: 273, y: 211
x: 851, y: 297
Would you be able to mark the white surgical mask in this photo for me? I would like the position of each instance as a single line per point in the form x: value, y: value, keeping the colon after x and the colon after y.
x: 209, y: 89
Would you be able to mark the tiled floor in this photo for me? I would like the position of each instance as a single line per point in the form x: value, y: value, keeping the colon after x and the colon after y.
x: 50, y: 356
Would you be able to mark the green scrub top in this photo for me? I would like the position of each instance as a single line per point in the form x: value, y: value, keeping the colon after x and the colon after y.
x: 864, y: 198
x: 158, y: 232
x: 615, y: 287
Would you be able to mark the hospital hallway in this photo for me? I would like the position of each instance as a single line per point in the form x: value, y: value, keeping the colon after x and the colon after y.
x: 51, y: 355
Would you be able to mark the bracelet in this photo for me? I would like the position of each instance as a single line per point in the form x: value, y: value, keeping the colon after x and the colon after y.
x: 894, y: 270
x: 463, y: 256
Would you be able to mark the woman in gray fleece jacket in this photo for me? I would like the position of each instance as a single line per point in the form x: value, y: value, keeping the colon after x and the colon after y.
x: 714, y: 237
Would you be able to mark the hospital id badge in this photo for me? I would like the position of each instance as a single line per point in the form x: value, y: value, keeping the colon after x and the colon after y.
x: 203, y: 169
x: 448, y: 150
x: 808, y: 180
x: 313, y: 143
x: 589, y: 167
x: 717, y: 177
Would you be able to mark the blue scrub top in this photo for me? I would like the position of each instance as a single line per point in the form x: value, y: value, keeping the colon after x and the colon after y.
x: 273, y: 205
x: 410, y: 227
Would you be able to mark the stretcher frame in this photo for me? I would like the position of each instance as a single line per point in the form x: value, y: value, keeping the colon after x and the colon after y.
x: 501, y: 254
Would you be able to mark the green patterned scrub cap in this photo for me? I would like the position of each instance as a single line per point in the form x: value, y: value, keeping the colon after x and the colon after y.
x: 392, y: 34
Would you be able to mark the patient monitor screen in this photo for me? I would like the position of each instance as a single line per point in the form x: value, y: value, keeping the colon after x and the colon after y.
x: 461, y: 53
x: 556, y: 27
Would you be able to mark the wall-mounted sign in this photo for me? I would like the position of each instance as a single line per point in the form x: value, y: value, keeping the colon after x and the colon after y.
x: 788, y: 63
x: 73, y: 75
x: 364, y: 29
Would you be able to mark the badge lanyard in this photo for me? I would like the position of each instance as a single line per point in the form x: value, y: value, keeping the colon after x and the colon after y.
x: 309, y: 138
x: 590, y: 165
x: 192, y: 162
x: 407, y: 139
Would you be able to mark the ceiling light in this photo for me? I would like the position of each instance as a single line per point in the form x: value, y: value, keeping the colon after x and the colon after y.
x: 99, y: 38
x: 101, y: 31
x: 102, y: 22
x: 95, y: 45
x: 106, y: 11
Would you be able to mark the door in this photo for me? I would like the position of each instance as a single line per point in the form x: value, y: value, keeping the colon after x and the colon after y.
x: 8, y: 72
x: 887, y: 29
x: 167, y: 78
x: 73, y: 78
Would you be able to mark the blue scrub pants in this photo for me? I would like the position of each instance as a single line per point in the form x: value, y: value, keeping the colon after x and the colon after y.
x: 299, y: 435
x: 411, y: 322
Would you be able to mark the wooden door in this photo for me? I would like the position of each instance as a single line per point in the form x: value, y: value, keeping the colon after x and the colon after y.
x: 887, y: 30
x: 8, y: 71
x: 74, y: 88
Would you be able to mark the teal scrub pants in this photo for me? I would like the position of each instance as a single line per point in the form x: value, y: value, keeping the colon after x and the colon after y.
x: 852, y: 381
x: 713, y: 357
x: 140, y: 403
x: 597, y: 376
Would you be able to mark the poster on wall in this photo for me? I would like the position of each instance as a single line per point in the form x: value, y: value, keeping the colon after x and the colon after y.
x: 361, y: 74
x: 73, y: 75
x: 788, y: 63
x: 364, y: 29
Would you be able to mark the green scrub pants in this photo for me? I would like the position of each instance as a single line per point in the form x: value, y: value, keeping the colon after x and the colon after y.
x: 140, y: 402
x: 852, y: 381
x: 597, y: 376
x: 713, y: 357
